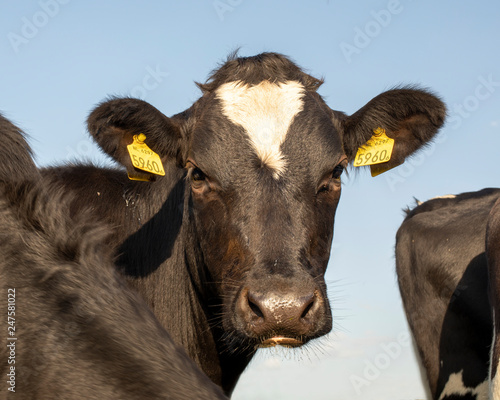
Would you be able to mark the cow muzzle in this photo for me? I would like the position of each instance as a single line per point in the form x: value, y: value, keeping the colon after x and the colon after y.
x: 287, y: 318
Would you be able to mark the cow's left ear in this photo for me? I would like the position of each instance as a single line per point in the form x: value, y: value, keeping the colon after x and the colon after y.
x: 409, y: 116
x: 114, y: 122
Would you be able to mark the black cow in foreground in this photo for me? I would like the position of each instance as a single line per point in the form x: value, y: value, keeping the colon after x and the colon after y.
x: 71, y: 328
x: 443, y: 279
x: 230, y: 247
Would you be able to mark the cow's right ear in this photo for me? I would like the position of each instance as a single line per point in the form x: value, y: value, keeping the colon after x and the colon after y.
x: 114, y: 122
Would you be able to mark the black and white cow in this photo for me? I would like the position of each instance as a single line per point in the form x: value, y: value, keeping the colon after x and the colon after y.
x: 493, y: 259
x: 71, y: 328
x: 230, y: 247
x: 443, y: 279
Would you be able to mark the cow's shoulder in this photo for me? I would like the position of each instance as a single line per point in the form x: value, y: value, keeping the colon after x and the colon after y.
x: 460, y: 203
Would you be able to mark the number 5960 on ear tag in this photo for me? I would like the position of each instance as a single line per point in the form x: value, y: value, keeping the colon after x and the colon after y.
x: 377, y: 150
x: 143, y: 157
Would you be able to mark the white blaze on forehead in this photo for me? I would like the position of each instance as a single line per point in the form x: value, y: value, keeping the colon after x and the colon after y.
x: 266, y: 112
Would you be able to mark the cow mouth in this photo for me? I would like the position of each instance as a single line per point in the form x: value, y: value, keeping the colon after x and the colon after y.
x: 281, y: 341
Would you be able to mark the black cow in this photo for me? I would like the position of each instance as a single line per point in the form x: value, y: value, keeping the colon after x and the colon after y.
x: 230, y: 247
x: 493, y: 259
x: 443, y: 279
x: 71, y: 328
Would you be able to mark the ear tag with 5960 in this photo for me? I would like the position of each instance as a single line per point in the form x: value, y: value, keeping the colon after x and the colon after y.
x: 377, y: 150
x: 143, y: 157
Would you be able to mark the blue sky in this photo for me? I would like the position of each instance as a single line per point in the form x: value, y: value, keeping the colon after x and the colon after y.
x: 61, y: 57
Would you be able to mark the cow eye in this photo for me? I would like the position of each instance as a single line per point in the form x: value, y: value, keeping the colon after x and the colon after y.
x: 337, y: 171
x: 332, y: 179
x: 200, y: 183
x: 197, y: 175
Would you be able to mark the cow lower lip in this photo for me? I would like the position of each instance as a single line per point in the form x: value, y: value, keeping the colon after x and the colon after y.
x: 281, y: 341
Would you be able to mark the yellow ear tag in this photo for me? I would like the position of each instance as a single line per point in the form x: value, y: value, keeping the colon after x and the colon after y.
x: 377, y: 150
x: 143, y: 157
x: 377, y: 169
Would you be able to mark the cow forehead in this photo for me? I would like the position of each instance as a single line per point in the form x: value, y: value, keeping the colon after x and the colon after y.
x: 265, y: 112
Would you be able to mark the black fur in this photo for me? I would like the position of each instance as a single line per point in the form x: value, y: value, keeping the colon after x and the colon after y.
x: 252, y: 70
x: 443, y: 279
x: 17, y: 162
x: 81, y: 332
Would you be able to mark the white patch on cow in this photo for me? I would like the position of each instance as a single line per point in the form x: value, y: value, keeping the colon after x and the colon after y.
x: 266, y: 112
x: 494, y: 383
x: 446, y: 196
x: 455, y: 386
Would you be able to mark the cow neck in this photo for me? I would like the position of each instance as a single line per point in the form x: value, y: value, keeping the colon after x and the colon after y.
x: 161, y: 252
x: 150, y: 223
x: 221, y: 364
x: 230, y: 363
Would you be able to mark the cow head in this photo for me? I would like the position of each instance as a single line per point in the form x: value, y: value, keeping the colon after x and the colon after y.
x: 263, y: 156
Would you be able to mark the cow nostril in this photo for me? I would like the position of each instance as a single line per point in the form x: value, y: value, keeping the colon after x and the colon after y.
x: 308, y: 307
x: 255, y: 308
